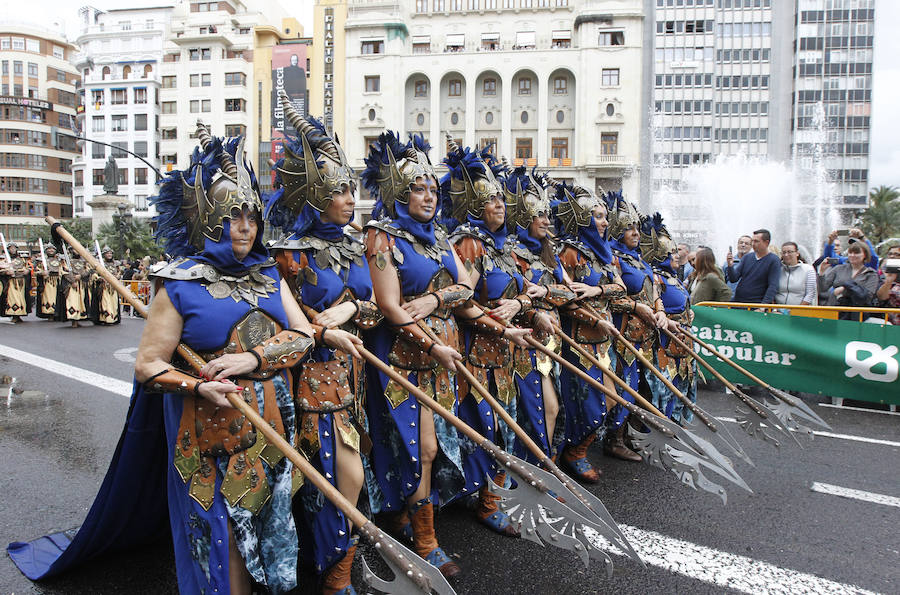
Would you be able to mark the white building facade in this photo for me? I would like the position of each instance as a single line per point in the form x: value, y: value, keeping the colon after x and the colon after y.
x: 208, y: 74
x: 119, y: 59
x: 550, y: 83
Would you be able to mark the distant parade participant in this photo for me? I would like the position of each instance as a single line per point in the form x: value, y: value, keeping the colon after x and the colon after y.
x: 73, y: 297
x: 587, y: 258
x: 106, y: 308
x: 657, y: 248
x: 328, y: 275
x: 638, y: 325
x: 473, y: 202
x: 15, y: 299
x: 48, y: 280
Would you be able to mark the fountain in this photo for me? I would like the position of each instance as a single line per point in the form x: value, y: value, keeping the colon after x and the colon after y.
x: 733, y: 195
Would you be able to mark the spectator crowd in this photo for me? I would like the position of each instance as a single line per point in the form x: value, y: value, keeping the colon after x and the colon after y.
x: 760, y: 273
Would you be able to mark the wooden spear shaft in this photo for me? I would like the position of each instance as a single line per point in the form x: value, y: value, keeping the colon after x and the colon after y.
x: 196, y: 362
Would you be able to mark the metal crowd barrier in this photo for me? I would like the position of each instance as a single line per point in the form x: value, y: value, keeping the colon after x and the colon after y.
x: 141, y: 289
x: 826, y: 312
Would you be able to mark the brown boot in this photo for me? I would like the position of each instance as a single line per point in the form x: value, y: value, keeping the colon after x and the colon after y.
x: 615, y: 446
x: 421, y: 516
x: 398, y: 525
x: 489, y: 513
x: 574, y: 458
x: 337, y: 579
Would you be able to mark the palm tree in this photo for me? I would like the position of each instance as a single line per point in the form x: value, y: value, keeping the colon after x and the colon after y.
x: 882, y: 219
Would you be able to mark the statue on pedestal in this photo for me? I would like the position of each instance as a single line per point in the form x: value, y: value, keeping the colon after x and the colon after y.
x: 111, y: 176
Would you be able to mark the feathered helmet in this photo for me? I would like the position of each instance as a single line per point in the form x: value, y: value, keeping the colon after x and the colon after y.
x: 471, y: 181
x: 622, y: 214
x: 192, y: 204
x: 574, y: 206
x: 313, y: 168
x: 656, y: 243
x: 526, y: 197
x: 391, y: 166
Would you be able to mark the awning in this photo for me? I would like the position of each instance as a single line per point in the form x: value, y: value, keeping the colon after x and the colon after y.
x: 490, y: 36
x: 562, y: 34
x: 421, y: 39
x: 456, y: 39
x: 525, y: 38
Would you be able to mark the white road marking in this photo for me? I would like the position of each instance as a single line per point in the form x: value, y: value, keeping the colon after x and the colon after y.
x: 851, y: 408
x: 113, y: 385
x: 125, y: 355
x: 833, y: 435
x: 827, y: 488
x: 721, y: 568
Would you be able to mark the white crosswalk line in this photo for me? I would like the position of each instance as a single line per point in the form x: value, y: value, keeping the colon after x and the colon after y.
x: 827, y: 488
x: 720, y: 568
x: 113, y: 385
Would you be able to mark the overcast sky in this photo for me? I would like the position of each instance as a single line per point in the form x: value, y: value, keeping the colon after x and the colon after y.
x: 884, y: 160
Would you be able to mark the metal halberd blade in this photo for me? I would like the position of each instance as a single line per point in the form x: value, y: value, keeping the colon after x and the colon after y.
x: 722, y: 434
x: 755, y: 424
x: 532, y: 495
x: 797, y: 408
x: 412, y: 574
x: 685, y: 454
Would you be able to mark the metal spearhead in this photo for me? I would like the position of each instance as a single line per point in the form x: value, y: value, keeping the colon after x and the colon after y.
x: 758, y: 417
x: 412, y: 574
x: 541, y: 517
x: 721, y: 434
x: 795, y: 408
x: 687, y: 455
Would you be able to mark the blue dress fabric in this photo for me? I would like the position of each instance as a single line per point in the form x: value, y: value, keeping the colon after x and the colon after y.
x: 324, y: 534
x: 680, y: 370
x: 585, y: 406
x: 394, y: 418
x: 268, y: 540
x: 636, y: 273
x: 480, y: 248
x: 130, y: 508
x: 532, y: 414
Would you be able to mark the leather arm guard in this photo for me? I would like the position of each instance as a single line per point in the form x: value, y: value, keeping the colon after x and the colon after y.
x: 174, y: 381
x: 282, y: 350
x: 559, y: 295
x: 367, y: 314
x: 526, y: 303
x: 453, y: 296
x: 485, y: 324
x: 583, y: 316
x: 414, y: 334
x: 623, y: 304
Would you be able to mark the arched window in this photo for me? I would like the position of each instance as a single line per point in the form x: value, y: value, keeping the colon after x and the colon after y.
x: 126, y: 72
x: 106, y: 72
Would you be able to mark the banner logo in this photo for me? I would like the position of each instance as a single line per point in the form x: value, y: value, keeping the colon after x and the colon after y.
x: 876, y: 355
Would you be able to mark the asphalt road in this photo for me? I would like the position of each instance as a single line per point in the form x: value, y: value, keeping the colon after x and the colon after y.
x: 57, y: 436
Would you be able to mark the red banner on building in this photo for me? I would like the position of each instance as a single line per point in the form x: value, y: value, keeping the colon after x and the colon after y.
x: 289, y: 75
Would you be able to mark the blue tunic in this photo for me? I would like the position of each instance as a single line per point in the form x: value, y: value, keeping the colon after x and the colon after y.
x: 394, y: 418
x: 321, y: 282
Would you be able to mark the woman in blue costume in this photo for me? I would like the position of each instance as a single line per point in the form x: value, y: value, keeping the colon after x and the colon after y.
x: 657, y: 248
x: 537, y: 380
x: 416, y: 277
x: 473, y: 204
x: 587, y: 259
x: 184, y: 448
x: 329, y: 277
x: 638, y: 326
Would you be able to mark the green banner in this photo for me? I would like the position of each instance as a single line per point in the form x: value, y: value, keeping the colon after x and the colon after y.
x: 838, y: 358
